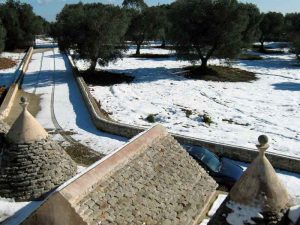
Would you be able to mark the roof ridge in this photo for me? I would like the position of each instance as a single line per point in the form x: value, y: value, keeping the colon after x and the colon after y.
x: 77, y: 187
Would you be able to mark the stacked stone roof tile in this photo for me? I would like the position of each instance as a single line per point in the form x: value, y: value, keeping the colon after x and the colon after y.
x: 163, y: 185
x: 30, y: 170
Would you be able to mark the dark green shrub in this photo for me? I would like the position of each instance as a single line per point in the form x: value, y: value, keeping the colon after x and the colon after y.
x: 207, y: 119
x: 150, y: 118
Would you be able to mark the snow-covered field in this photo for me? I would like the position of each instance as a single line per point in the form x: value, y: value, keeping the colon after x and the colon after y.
x: 156, y: 86
x: 69, y: 107
x: 8, y: 76
x: 270, y: 105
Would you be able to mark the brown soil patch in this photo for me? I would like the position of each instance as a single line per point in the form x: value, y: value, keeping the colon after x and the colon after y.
x: 151, y: 56
x: 33, y: 107
x: 6, y: 63
x: 105, y: 78
x: 3, y: 92
x: 82, y: 155
x: 219, y: 73
x: 19, y: 50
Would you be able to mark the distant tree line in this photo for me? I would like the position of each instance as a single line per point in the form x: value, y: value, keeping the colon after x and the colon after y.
x: 292, y: 31
x: 196, y: 29
x: 19, y: 24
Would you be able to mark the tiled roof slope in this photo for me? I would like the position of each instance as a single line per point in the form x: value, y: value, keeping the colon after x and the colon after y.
x: 163, y: 185
x: 151, y: 180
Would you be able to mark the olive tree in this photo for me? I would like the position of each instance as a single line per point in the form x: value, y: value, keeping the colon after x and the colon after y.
x: 94, y: 31
x: 205, y: 28
x: 20, y: 22
x: 144, y: 26
x: 292, y: 30
x: 2, y: 37
x: 271, y: 28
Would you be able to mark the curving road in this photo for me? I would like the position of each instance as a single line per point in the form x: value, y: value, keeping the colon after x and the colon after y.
x: 62, y: 107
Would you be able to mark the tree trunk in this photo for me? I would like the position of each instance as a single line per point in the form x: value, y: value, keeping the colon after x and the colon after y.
x: 93, y: 65
x: 204, y: 63
x: 262, y: 47
x: 163, y: 43
x: 138, y: 49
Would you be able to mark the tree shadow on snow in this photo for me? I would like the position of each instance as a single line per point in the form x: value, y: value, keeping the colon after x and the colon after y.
x: 287, y: 86
x: 44, y: 78
x: 146, y: 75
x: 270, y: 63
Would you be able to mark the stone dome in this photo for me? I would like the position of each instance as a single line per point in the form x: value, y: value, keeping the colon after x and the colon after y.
x: 259, y: 197
x: 31, y: 164
x: 260, y: 184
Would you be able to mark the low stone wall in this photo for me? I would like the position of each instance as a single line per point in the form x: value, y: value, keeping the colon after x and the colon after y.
x: 8, y: 101
x: 25, y: 65
x: 243, y: 154
x: 11, y: 94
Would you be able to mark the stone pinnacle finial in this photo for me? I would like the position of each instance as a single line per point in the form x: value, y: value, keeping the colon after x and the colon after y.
x: 23, y: 102
x: 263, y: 144
x: 26, y: 128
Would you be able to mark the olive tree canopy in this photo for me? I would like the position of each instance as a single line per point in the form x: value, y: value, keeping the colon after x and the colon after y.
x: 205, y: 28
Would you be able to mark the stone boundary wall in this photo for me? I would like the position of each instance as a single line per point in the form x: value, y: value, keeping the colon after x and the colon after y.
x: 291, y: 164
x: 11, y: 94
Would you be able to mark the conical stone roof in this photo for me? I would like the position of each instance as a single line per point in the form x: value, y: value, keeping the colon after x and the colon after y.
x: 260, y: 184
x: 31, y: 164
x: 259, y: 197
x: 26, y: 128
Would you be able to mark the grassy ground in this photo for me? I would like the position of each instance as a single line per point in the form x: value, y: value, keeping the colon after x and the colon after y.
x: 219, y: 73
x: 151, y: 56
x: 105, y: 78
x: 168, y: 47
x: 267, y: 50
x: 247, y: 56
x: 6, y: 63
x: 272, y: 51
x: 82, y: 155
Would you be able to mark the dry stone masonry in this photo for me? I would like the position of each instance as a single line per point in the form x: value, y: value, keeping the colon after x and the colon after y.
x: 3, y: 127
x: 163, y: 185
x: 31, y: 164
x: 30, y: 170
x: 259, y: 197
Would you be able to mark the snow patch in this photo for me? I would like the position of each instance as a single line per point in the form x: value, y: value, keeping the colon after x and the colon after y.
x: 217, y: 204
x: 242, y: 214
x: 240, y: 111
x: 294, y: 214
x: 204, y: 222
x: 9, y: 207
